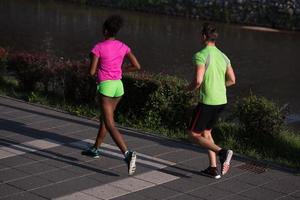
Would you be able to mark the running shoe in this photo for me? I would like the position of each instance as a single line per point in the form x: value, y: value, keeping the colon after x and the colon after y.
x: 225, y: 158
x: 211, y: 172
x: 92, y: 152
x: 130, y: 160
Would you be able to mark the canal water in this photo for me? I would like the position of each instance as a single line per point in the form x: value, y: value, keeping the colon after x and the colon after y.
x: 266, y: 63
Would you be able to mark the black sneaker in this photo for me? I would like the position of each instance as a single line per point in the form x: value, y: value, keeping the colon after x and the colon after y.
x: 130, y: 160
x: 211, y: 172
x: 92, y: 152
x: 225, y: 158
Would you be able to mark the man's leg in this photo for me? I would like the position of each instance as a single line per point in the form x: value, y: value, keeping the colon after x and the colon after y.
x: 224, y: 154
x: 211, y: 154
x: 204, y: 142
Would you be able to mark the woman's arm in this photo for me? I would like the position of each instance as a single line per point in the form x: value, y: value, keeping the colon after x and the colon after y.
x: 93, y: 66
x: 134, y: 63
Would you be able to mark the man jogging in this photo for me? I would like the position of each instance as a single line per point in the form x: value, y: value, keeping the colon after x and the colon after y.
x: 212, y: 75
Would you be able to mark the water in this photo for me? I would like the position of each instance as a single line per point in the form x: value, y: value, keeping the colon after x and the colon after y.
x: 266, y: 63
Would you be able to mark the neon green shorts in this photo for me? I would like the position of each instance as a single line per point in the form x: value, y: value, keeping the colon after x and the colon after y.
x: 111, y: 88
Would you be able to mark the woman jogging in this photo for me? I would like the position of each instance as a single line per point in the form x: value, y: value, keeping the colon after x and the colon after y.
x: 106, y: 64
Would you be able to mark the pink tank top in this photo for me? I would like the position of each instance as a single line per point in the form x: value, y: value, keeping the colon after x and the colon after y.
x: 111, y: 54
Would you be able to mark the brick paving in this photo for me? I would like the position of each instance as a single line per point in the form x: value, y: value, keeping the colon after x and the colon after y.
x: 40, y: 159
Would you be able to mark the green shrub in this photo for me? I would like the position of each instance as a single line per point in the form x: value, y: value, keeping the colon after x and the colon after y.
x: 138, y: 90
x: 156, y: 101
x: 72, y: 78
x: 28, y: 68
x: 172, y: 102
x: 3, y: 61
x: 226, y: 133
x: 260, y: 119
x: 65, y: 78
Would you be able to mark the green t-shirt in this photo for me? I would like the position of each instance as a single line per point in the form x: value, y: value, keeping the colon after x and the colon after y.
x: 213, y: 88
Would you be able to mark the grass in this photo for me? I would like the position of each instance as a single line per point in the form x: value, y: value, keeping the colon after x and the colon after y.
x: 283, y: 148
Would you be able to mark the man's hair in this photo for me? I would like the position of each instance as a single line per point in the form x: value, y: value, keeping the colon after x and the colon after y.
x: 210, y: 32
x: 112, y: 25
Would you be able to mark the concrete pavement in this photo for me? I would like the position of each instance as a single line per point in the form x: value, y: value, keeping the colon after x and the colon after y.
x: 40, y: 159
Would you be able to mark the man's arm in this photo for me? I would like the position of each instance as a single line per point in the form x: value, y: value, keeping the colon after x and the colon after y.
x: 198, y: 78
x: 134, y: 63
x: 230, y: 76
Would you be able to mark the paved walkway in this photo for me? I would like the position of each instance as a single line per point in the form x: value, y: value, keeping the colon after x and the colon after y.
x: 40, y: 159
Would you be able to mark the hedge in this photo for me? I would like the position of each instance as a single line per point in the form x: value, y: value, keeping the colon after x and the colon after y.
x: 157, y: 103
x: 152, y: 101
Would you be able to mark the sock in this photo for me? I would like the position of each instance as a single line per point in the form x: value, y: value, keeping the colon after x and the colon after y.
x: 221, y: 152
x: 126, y: 153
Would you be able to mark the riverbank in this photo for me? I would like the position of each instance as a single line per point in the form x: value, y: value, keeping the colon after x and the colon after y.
x: 273, y: 14
x: 152, y: 103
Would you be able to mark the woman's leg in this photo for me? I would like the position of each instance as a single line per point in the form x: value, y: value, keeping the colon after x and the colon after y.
x: 108, y: 105
x: 101, y: 135
x: 102, y: 129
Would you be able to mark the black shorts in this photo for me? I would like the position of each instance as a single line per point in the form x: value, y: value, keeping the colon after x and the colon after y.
x: 205, y: 117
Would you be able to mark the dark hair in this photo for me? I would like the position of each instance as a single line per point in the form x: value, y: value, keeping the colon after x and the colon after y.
x: 112, y: 25
x: 210, y: 31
